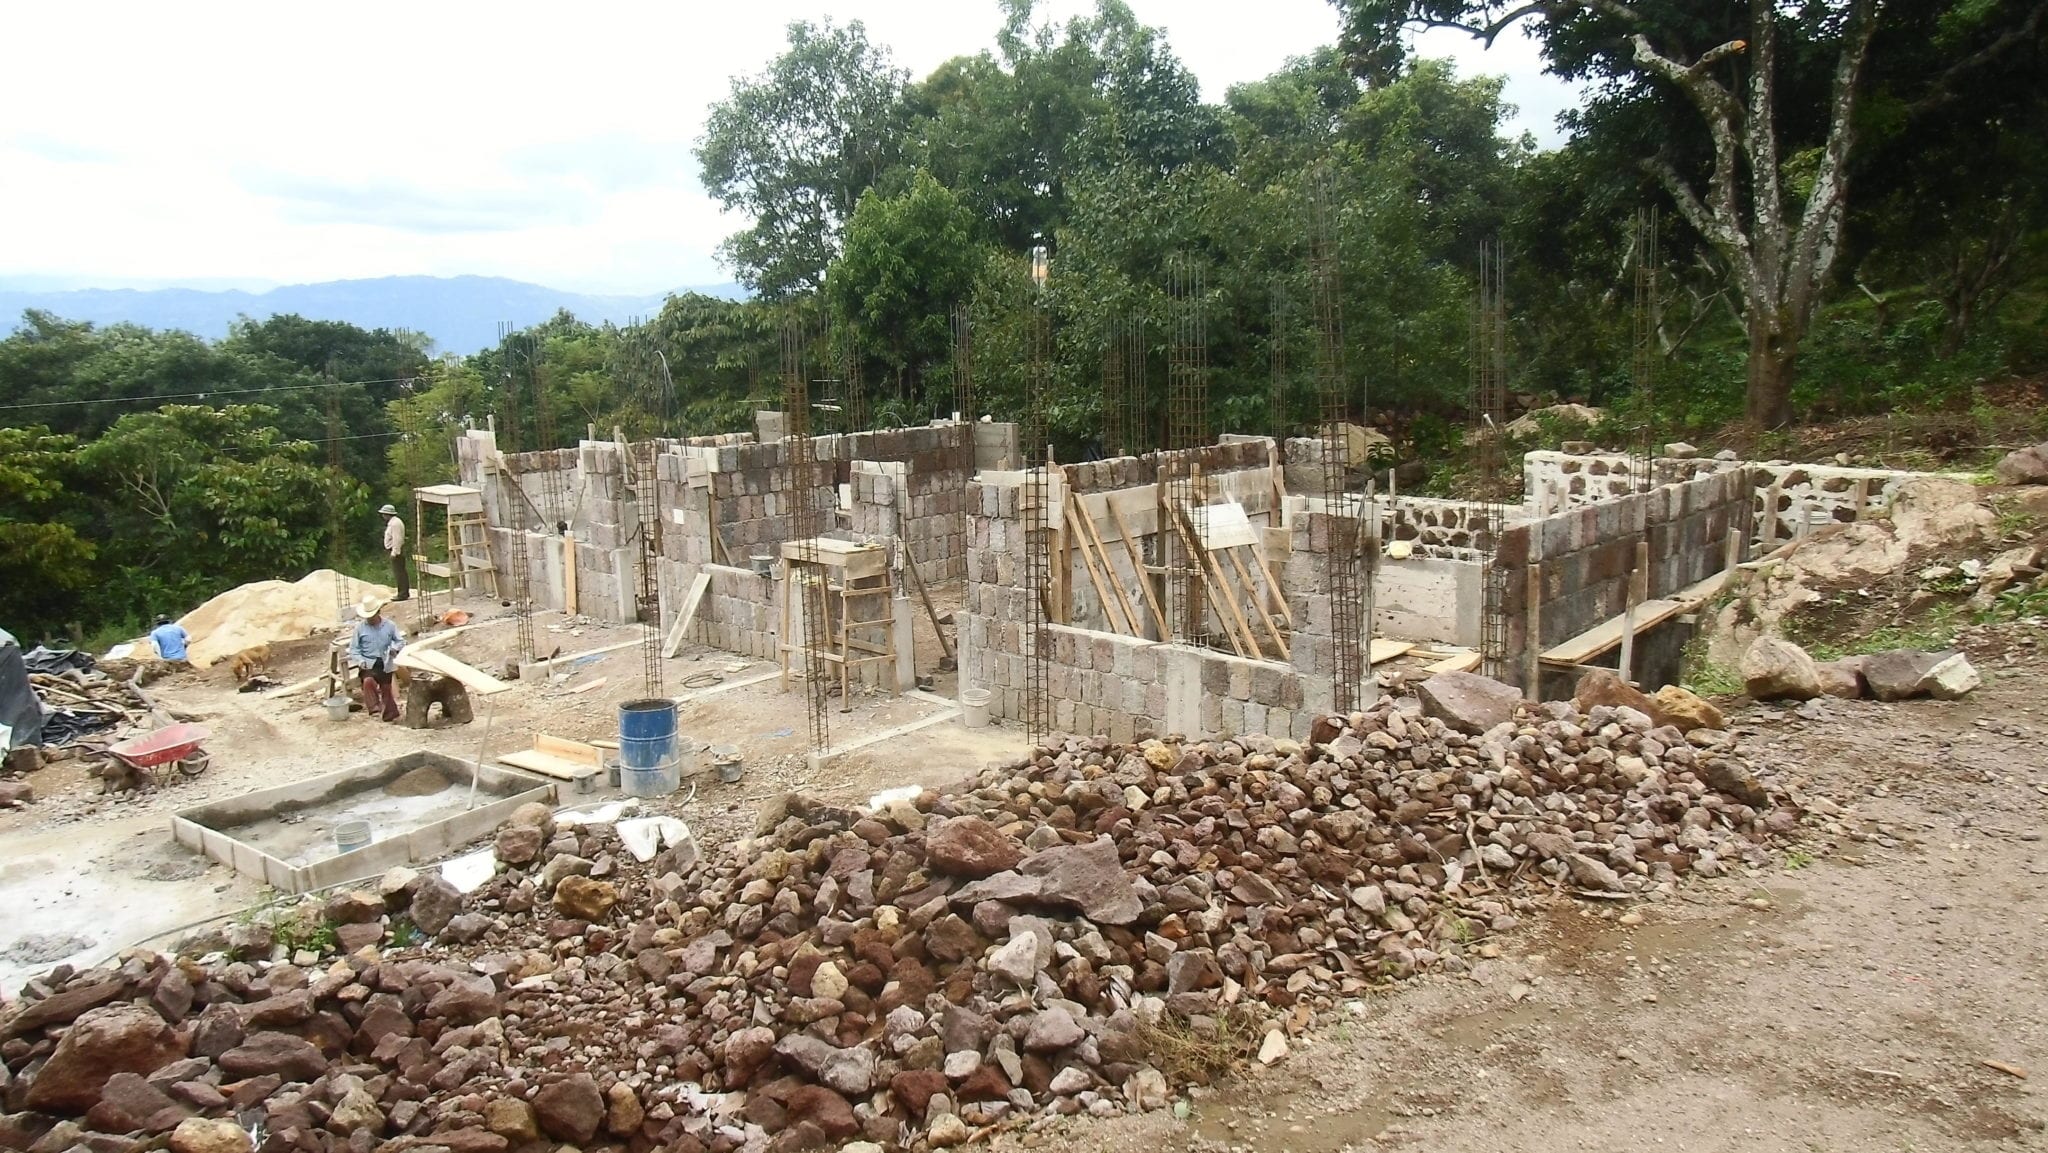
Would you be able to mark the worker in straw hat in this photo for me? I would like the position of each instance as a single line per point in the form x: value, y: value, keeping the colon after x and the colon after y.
x: 394, y: 543
x: 374, y: 650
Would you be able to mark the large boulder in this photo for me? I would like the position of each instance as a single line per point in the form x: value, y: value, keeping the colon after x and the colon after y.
x: 1899, y: 674
x: 1778, y: 670
x: 1089, y: 877
x: 435, y: 903
x: 292, y: 1058
x: 849, y: 1071
x: 2024, y: 466
x: 1841, y: 678
x: 124, y: 1038
x: 1468, y: 702
x: 571, y: 1109
x: 970, y: 847
x: 1902, y: 674
x: 1685, y: 710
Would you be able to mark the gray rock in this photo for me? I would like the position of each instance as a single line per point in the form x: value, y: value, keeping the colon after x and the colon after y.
x: 1052, y: 1029
x: 1468, y: 702
x: 848, y: 1071
x: 2024, y: 466
x: 1778, y: 670
x: 1016, y: 961
x: 1088, y: 877
x: 434, y: 904
x: 1899, y: 674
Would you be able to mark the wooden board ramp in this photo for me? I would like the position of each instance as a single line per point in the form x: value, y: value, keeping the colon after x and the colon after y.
x: 434, y: 661
x: 1608, y: 633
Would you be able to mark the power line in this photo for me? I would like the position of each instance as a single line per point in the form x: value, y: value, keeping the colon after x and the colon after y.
x: 201, y: 395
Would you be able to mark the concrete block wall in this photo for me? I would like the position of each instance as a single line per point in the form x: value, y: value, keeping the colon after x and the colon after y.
x: 1587, y: 554
x: 1788, y: 500
x: 740, y: 612
x: 1103, y: 682
x: 1132, y: 471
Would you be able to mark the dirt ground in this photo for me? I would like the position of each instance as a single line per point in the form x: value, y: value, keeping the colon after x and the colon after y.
x: 1848, y: 999
x: 83, y: 875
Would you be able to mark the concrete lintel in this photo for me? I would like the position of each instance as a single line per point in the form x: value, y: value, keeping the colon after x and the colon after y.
x: 823, y: 759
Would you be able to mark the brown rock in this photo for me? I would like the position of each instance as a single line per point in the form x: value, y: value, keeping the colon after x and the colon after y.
x: 915, y: 1087
x: 511, y: 1118
x: 434, y: 904
x: 354, y: 907
x: 745, y: 1051
x: 1841, y: 678
x: 970, y: 847
x: 130, y: 1104
x: 1685, y: 710
x: 622, y: 1111
x: 571, y: 1109
x: 289, y: 1057
x: 585, y: 899
x: 102, y: 1042
x: 1605, y: 687
x: 58, y: 1008
x: 825, y: 1109
x: 1087, y: 876
x: 519, y: 844
x: 1774, y: 670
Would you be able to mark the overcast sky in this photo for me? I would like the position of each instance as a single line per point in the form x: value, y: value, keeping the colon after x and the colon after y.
x: 224, y: 143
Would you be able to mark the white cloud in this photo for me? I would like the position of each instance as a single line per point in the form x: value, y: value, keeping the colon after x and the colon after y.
x: 149, y: 142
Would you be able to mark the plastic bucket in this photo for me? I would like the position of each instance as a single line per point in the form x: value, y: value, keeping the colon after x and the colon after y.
x: 974, y: 708
x: 647, y: 748
x: 351, y: 835
x: 337, y: 708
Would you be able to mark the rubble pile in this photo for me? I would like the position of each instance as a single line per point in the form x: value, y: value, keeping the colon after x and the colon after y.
x: 1030, y: 943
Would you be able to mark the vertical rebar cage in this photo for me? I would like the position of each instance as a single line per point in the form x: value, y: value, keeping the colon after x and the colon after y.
x: 1341, y: 533
x: 1036, y: 515
x: 806, y: 576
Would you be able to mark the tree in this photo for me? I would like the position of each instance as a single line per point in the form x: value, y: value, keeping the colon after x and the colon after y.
x: 44, y: 563
x: 795, y: 147
x: 1779, y: 244
x: 908, y: 260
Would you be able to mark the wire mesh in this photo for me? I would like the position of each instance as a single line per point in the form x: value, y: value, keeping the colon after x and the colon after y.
x: 1278, y: 332
x: 1116, y: 434
x: 1187, y: 430
x: 1489, y: 406
x: 1643, y: 346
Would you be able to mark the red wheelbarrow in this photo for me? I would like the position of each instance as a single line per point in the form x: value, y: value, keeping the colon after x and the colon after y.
x: 165, y: 754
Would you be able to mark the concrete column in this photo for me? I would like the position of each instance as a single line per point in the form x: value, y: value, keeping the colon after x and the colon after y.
x: 904, y: 642
x: 1181, y: 670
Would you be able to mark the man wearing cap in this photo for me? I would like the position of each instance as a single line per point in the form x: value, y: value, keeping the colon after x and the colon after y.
x: 394, y: 543
x: 375, y: 651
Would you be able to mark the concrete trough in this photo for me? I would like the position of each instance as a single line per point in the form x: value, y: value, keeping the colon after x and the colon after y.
x: 416, y: 804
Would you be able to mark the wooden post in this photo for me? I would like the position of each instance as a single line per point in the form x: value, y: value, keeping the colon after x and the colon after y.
x: 1138, y: 569
x: 1771, y: 516
x: 1638, y: 586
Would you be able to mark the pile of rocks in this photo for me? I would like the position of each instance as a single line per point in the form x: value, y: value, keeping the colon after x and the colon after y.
x: 1034, y: 941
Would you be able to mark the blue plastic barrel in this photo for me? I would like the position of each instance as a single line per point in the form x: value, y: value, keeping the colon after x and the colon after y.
x: 647, y: 748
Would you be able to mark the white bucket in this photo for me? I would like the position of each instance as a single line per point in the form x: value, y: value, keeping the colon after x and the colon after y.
x: 351, y: 835
x: 337, y: 708
x: 974, y: 708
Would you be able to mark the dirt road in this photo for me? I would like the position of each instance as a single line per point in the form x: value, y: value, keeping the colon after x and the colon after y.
x: 1844, y: 1002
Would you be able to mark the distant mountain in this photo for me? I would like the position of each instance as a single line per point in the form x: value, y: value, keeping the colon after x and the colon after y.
x: 460, y: 313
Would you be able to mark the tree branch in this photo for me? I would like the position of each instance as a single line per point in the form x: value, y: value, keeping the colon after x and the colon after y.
x: 1942, y: 92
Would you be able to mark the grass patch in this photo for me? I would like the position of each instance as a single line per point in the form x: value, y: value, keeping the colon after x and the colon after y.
x: 1937, y: 632
x: 1796, y: 859
x: 1187, y: 1055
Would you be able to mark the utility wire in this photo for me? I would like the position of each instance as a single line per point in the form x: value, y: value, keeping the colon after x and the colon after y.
x: 200, y: 395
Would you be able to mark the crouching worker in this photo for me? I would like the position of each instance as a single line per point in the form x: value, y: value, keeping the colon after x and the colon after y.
x: 375, y: 651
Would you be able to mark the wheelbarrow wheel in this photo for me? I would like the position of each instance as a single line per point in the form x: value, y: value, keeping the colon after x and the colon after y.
x: 194, y: 765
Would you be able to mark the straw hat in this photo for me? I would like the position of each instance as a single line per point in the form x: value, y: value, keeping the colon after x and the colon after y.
x: 387, y: 510
x: 371, y: 606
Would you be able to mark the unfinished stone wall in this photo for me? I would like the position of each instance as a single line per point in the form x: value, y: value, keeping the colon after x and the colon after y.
x: 1586, y: 557
x: 1789, y: 499
x: 527, y: 495
x: 740, y: 611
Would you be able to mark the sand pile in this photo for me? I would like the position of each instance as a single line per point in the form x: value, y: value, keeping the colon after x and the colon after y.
x: 267, y: 612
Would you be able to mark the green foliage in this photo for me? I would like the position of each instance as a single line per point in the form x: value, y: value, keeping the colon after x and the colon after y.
x: 908, y: 259
x: 794, y: 148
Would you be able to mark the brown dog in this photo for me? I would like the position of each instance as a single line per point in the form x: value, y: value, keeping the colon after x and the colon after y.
x: 249, y: 662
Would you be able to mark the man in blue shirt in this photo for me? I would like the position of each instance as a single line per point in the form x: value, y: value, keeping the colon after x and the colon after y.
x: 170, y: 639
x: 374, y: 649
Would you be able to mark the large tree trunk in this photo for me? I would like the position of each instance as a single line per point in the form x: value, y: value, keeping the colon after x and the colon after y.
x: 1773, y: 360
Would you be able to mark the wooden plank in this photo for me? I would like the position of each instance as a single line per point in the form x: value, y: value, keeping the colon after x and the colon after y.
x: 917, y: 581
x: 691, y: 600
x: 1225, y: 526
x: 1457, y: 663
x: 1532, y: 627
x: 546, y: 765
x: 1138, y: 569
x: 1219, y: 592
x: 1095, y: 581
x: 569, y: 573
x: 1383, y: 650
x: 1090, y: 536
x: 565, y: 749
x: 1258, y: 603
x: 440, y: 663
x: 1279, y: 599
x: 1607, y: 634
x: 587, y: 686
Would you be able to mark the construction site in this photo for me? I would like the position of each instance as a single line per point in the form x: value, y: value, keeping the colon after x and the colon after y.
x: 910, y: 788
